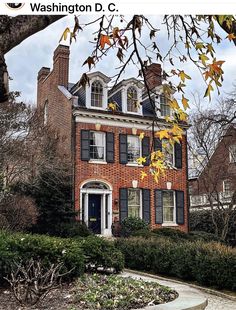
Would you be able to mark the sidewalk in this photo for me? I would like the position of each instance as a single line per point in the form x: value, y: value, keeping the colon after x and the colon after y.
x: 214, y: 302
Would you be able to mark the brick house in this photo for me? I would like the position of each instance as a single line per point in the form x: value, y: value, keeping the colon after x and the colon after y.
x: 104, y: 145
x: 213, y: 181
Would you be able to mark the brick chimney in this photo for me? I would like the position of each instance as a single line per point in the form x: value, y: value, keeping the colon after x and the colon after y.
x: 42, y: 74
x: 153, y: 75
x: 61, y: 65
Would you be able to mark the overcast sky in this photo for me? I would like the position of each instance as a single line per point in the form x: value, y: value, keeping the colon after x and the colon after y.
x: 25, y: 60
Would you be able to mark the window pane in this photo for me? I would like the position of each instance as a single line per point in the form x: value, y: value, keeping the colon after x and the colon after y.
x: 96, y: 94
x: 132, y: 99
x: 168, y: 214
x: 97, y: 145
x: 133, y: 148
x: 168, y: 151
x: 133, y: 202
x: 168, y: 206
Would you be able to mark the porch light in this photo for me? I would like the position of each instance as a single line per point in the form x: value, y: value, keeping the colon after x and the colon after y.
x: 97, y: 126
x: 135, y: 183
x: 134, y: 131
x: 168, y: 185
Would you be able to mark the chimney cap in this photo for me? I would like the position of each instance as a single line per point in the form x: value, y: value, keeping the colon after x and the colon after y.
x: 43, y: 72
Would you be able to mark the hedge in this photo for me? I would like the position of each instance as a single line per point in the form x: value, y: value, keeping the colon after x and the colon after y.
x: 75, y: 254
x: 210, y: 264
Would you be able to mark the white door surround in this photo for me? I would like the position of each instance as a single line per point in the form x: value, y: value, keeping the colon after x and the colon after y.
x: 92, y: 187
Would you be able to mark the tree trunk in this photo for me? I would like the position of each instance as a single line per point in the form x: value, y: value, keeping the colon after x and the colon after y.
x: 14, y: 30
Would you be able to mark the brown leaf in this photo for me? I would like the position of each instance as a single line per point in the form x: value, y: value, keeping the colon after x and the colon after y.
x: 120, y: 54
x: 152, y: 34
x: 89, y: 61
x: 104, y: 39
x: 84, y: 80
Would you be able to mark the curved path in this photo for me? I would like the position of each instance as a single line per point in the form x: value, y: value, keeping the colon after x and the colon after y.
x: 215, y: 302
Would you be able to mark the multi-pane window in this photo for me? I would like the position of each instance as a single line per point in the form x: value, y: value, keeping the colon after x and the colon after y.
x: 168, y: 206
x: 132, y: 99
x: 134, y: 148
x: 227, y: 188
x: 134, y: 202
x: 164, y: 106
x: 232, y: 153
x: 168, y: 151
x: 97, y: 145
x: 97, y: 94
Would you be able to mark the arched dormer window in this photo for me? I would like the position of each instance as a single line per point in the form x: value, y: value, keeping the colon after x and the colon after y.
x: 132, y: 99
x: 97, y: 94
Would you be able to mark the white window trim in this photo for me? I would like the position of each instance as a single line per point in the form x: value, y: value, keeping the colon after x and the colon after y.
x: 105, y: 94
x: 124, y: 99
x: 101, y: 161
x: 134, y: 163
x: 170, y: 223
x: 141, y: 199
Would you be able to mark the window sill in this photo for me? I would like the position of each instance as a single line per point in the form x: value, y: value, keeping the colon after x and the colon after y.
x: 97, y: 162
x: 134, y: 165
x: 169, y: 225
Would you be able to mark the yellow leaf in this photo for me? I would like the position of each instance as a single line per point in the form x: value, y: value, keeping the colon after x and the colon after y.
x: 163, y: 134
x: 64, y: 35
x: 143, y: 175
x: 174, y: 104
x: 208, y: 91
x: 199, y: 45
x: 141, y: 136
x: 112, y: 106
x: 141, y: 160
x: 203, y: 58
x: 183, y: 76
x: 185, y: 102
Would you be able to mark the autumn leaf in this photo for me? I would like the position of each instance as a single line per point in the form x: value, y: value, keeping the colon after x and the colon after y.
x: 141, y: 136
x: 208, y: 91
x: 64, y: 34
x: 183, y: 76
x: 174, y: 104
x: 203, y: 58
x: 104, y: 39
x: 112, y: 106
x: 89, y: 61
x: 199, y: 45
x: 163, y: 134
x: 152, y: 34
x: 141, y: 160
x: 143, y: 175
x: 185, y: 102
x: 120, y: 54
x: 231, y: 36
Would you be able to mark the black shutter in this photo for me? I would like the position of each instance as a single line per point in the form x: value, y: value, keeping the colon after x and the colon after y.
x: 179, y: 207
x: 123, y: 149
x: 157, y: 144
x: 178, y: 155
x: 158, y: 206
x: 146, y: 205
x: 110, y: 147
x: 146, y: 150
x: 123, y: 203
x: 85, y: 145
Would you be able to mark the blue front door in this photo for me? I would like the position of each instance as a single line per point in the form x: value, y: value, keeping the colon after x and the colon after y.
x: 94, y: 213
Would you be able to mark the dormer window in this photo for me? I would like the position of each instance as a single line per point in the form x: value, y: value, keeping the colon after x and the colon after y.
x: 164, y: 106
x: 97, y: 94
x: 132, y: 99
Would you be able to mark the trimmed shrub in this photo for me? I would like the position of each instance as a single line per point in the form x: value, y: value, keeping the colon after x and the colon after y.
x: 131, y: 225
x: 102, y: 253
x: 73, y: 230
x: 75, y: 254
x: 211, y: 264
x: 48, y: 250
x: 171, y: 233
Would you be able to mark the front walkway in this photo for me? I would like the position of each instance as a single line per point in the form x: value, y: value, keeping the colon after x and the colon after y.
x: 214, y: 302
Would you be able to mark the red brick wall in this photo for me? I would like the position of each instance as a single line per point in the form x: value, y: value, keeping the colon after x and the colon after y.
x: 59, y: 107
x: 119, y: 175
